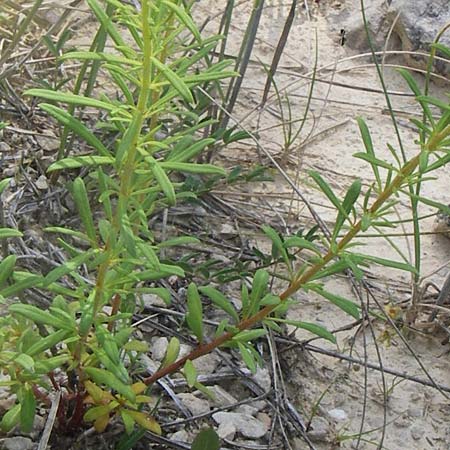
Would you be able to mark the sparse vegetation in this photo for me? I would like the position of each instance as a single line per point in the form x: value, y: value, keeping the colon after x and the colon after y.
x: 146, y: 149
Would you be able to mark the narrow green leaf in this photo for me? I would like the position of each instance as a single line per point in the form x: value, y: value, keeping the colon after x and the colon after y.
x: 193, y: 168
x: 72, y: 99
x: 129, y: 139
x: 220, y: 300
x: 67, y: 268
x: 21, y: 283
x: 99, y: 56
x: 245, y: 299
x: 374, y: 161
x: 128, y: 421
x: 260, y: 282
x: 38, y: 316
x: 416, y: 90
x: 181, y: 240
x: 172, y: 352
x: 26, y: 361
x: 163, y: 181
x: 76, y: 126
x: 325, y: 188
x: 47, y: 365
x: 84, y: 208
x: 100, y: 376
x: 11, y: 418
x: 277, y: 244
x: 175, y: 81
x: 367, y: 140
x: 434, y: 101
x: 346, y: 305
x: 190, y: 373
x: 270, y: 299
x: 150, y: 255
x: 194, y: 314
x: 108, y: 25
x: 313, y: 328
x: 298, y: 242
x: 68, y: 232
x: 6, y: 268
x: 249, y: 335
x: 115, y: 368
x: 9, y: 233
x: 349, y: 200
x: 27, y: 410
x: 186, y: 154
x: 247, y: 357
x: 75, y: 162
x: 47, y: 342
x: 228, y: 138
x: 184, y: 18
x: 108, y: 344
x: 208, y: 76
x: 4, y: 183
x: 386, y: 262
x: 95, y: 412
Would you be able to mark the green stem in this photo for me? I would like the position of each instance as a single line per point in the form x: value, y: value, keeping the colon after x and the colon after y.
x: 127, y: 170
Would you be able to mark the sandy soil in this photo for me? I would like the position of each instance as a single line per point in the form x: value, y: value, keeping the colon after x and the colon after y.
x: 409, y: 415
x: 402, y: 414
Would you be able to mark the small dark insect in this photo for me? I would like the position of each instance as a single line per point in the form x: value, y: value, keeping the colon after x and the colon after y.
x: 342, y: 37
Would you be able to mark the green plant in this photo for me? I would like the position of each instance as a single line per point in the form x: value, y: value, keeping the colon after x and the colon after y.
x: 155, y: 77
x: 83, y: 343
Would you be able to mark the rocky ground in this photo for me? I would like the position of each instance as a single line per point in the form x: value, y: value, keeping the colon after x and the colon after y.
x: 312, y: 397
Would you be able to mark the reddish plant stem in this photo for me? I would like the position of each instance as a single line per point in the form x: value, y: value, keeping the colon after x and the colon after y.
x: 43, y: 397
x: 77, y: 416
x: 115, y: 309
x: 296, y: 284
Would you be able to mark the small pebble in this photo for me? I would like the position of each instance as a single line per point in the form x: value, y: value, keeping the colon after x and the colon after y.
x: 247, y: 425
x: 318, y: 430
x: 41, y: 183
x: 226, y: 430
x: 338, y: 414
x: 159, y: 347
x: 180, y: 436
x: 194, y: 404
x: 16, y: 443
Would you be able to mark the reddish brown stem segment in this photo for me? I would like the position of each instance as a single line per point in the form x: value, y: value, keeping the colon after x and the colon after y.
x: 296, y: 284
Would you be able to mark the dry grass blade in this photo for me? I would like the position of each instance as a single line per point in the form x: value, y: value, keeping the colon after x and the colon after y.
x: 279, y: 50
x: 50, y: 422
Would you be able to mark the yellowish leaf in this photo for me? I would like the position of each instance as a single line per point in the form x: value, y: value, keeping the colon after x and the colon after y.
x: 101, y: 423
x: 138, y: 387
x: 99, y: 396
x: 145, y: 421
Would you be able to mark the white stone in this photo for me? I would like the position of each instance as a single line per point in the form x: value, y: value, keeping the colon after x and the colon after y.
x: 206, y: 364
x: 16, y: 443
x: 194, y: 404
x: 318, y: 430
x: 247, y: 425
x: 262, y: 377
x: 180, y: 436
x: 152, y: 300
x: 338, y: 414
x: 159, y: 348
x: 247, y: 409
x: 42, y: 183
x: 226, y: 430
